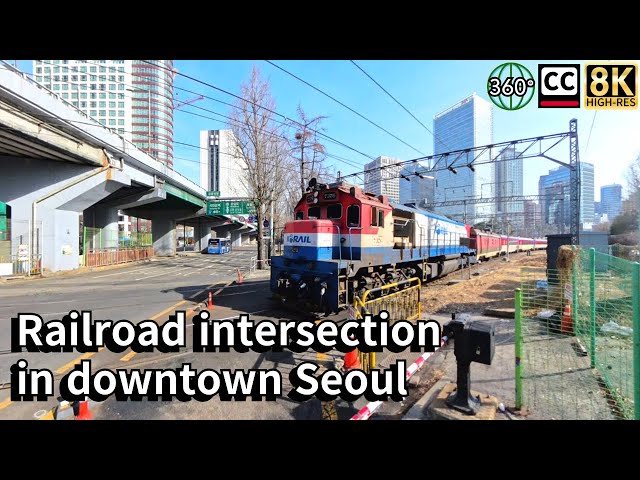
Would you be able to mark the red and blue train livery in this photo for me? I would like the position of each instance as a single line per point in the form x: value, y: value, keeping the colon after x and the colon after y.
x: 344, y: 241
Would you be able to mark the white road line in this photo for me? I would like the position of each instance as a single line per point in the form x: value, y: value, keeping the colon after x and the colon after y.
x: 121, y: 273
x: 157, y: 274
x: 35, y: 302
x: 237, y: 293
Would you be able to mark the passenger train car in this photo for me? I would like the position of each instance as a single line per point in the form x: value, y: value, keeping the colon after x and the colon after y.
x: 344, y: 241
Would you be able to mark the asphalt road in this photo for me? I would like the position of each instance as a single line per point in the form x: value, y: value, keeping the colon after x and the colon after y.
x: 153, y: 290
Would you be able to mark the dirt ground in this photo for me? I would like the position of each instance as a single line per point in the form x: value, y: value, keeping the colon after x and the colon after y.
x: 492, y: 285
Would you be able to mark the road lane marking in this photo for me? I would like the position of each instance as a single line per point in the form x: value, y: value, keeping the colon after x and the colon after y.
x: 238, y: 293
x: 122, y: 273
x: 157, y: 274
x: 68, y: 366
x: 38, y: 303
x: 235, y: 316
x: 5, y: 403
x: 128, y: 356
x: 132, y: 354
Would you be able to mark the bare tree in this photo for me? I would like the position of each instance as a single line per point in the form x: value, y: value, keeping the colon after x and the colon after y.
x: 311, y: 152
x: 633, y: 179
x: 259, y: 142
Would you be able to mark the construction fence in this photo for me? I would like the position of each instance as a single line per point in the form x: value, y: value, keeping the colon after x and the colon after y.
x: 102, y: 247
x: 401, y: 300
x: 578, y: 338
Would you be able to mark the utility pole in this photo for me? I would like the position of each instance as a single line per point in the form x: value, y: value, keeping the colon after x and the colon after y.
x: 300, y: 136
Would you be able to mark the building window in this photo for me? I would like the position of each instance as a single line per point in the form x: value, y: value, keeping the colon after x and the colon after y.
x: 38, y: 69
x: 112, y: 122
x: 47, y: 79
x: 103, y: 69
x: 121, y: 86
x: 75, y: 104
x: 102, y: 104
x: 103, y: 96
x: 112, y: 104
x: 93, y: 78
x: 102, y: 113
x: 103, y: 87
x: 82, y: 87
x: 92, y: 86
x: 65, y: 86
x: 74, y: 78
x: 56, y: 78
x: 83, y: 96
x: 83, y: 104
x: 65, y: 78
x: 121, y: 121
x: 120, y: 104
x: 112, y: 113
x: 93, y: 105
x: 93, y: 95
x: 112, y: 96
x: 121, y: 113
x: 47, y: 69
x: 112, y: 78
x: 83, y: 69
x: 121, y: 69
x: 56, y: 87
x: 74, y: 95
x: 92, y: 70
x: 56, y: 69
x: 83, y: 78
x: 65, y: 96
x: 112, y: 86
x: 93, y: 113
x: 121, y: 78
x: 121, y: 131
x: 103, y: 78
x: 39, y: 78
x: 121, y: 96
x: 102, y: 121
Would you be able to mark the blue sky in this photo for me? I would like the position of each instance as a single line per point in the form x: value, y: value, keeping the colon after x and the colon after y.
x: 424, y: 87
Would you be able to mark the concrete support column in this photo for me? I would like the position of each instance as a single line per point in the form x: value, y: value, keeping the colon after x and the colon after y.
x: 202, y: 234
x: 106, y: 219
x: 164, y: 236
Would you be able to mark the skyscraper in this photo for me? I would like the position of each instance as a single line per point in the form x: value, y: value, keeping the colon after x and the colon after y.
x: 383, y: 181
x: 611, y: 200
x: 467, y: 124
x: 416, y: 188
x: 134, y: 98
x: 555, y: 200
x: 508, y: 183
x: 220, y: 169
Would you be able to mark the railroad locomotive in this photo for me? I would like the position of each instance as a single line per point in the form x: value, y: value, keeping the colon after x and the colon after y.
x: 344, y: 241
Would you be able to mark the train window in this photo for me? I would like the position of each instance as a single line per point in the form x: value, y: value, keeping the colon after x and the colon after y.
x: 381, y: 218
x: 374, y: 217
x: 299, y: 215
x: 334, y: 211
x: 314, y: 212
x: 353, y: 216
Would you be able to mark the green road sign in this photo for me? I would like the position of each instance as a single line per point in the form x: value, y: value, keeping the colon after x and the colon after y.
x: 231, y: 207
x: 213, y: 193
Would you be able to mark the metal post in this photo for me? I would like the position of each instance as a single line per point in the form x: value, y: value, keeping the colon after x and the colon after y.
x: 518, y: 315
x: 574, y: 291
x: 592, y: 304
x: 636, y: 338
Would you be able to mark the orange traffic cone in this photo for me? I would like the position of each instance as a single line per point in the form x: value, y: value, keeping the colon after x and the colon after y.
x: 83, y: 411
x: 239, y: 276
x: 351, y: 360
x: 210, y: 304
x: 566, y: 326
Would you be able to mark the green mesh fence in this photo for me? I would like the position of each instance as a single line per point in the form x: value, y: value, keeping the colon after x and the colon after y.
x: 579, y: 338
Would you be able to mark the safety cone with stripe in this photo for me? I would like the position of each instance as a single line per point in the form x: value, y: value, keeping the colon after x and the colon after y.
x: 81, y: 410
x: 351, y: 360
x: 566, y: 326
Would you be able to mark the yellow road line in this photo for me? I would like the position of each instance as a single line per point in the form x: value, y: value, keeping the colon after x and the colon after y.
x: 68, y: 366
x: 128, y: 356
x: 5, y: 403
x: 155, y: 317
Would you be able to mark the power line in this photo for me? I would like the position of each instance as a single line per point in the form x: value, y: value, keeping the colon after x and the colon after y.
x: 590, y: 130
x: 75, y: 69
x: 259, y: 106
x: 345, y: 106
x: 398, y: 102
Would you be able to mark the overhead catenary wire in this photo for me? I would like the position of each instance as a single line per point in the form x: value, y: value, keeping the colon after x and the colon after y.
x: 398, y: 102
x: 345, y: 106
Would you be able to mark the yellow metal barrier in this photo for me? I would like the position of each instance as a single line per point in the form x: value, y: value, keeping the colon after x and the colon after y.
x: 401, y: 300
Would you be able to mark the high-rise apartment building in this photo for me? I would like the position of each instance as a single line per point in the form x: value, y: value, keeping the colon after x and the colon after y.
x: 134, y: 98
x: 384, y: 177
x: 467, y: 124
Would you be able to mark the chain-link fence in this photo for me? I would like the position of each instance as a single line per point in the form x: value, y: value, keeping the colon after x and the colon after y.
x: 102, y: 247
x: 578, y: 338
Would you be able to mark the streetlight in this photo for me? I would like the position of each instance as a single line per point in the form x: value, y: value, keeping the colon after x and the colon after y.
x: 148, y: 114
